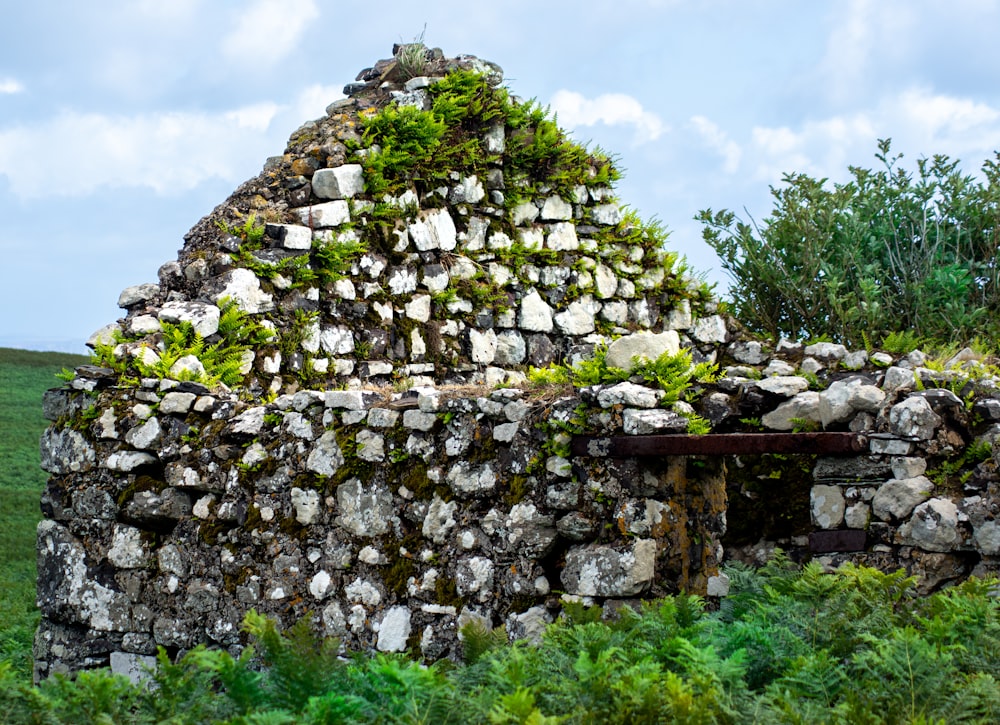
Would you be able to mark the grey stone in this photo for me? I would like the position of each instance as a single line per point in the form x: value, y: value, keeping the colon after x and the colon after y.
x: 249, y: 422
x: 325, y: 458
x: 629, y: 394
x: 749, y: 352
x: 897, y: 378
x: 177, y: 403
x: 137, y: 668
x: 987, y: 538
x: 511, y: 348
x: 364, y: 510
x: 104, y: 336
x: 65, y: 451
x: 145, y: 436
x: 711, y: 329
x: 644, y: 422
x: 469, y: 479
x: 896, y: 498
x: 828, y: 506
x: 530, y: 532
x: 342, y: 182
x: 468, y: 191
x: 914, y: 418
x: 933, y: 526
x: 138, y: 294
x: 603, y: 571
x: 804, y: 406
x: 826, y: 351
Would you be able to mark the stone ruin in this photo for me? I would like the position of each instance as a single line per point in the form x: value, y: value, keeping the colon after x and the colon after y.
x: 323, y: 406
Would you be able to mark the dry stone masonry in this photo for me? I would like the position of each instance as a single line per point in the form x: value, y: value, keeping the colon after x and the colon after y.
x: 321, y: 407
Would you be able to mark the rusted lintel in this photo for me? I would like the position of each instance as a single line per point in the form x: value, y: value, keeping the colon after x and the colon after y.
x: 718, y: 444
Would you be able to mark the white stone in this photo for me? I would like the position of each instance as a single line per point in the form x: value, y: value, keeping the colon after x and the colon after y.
x: 145, y: 436
x: 419, y: 308
x: 786, y: 386
x: 578, y: 317
x: 643, y: 346
x: 177, y: 403
x: 203, y: 317
x: 433, y: 230
x: 336, y: 340
x: 292, y: 236
x: 629, y: 394
x: 897, y: 378
x: 562, y: 237
x: 126, y: 461
x: 535, y: 314
x: 402, y: 281
x: 320, y: 585
x: 555, y: 209
x: 469, y: 479
x: 826, y: 351
x: 525, y: 212
x: 645, y: 422
x: 440, y: 519
x: 601, y: 571
x: 468, y: 191
x: 330, y: 214
x: 306, y: 503
x: 342, y: 182
x: 483, y: 346
x: 711, y: 329
x: 607, y: 214
x: 394, y: 630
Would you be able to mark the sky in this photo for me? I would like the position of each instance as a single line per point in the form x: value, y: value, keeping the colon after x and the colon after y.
x: 122, y: 123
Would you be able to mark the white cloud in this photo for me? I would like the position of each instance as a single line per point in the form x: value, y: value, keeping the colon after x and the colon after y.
x: 268, y: 30
x: 10, y: 86
x: 919, y: 121
x: 717, y: 140
x: 314, y: 99
x: 858, y: 42
x: 611, y: 109
x: 166, y: 152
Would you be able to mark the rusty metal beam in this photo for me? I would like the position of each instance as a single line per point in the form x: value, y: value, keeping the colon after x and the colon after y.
x: 718, y: 444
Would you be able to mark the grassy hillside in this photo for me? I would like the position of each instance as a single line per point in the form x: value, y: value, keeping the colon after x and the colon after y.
x: 24, y: 377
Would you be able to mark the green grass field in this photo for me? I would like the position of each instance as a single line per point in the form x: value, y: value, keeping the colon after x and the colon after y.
x: 24, y: 377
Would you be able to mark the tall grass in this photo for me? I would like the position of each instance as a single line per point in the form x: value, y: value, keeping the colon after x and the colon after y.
x: 24, y: 377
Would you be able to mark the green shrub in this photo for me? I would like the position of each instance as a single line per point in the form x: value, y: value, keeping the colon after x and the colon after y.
x: 887, y: 252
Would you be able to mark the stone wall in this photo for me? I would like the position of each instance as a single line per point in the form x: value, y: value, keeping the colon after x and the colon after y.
x: 322, y: 406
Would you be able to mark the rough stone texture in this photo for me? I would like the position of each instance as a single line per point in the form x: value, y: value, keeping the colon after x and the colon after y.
x: 644, y: 346
x: 377, y: 462
x: 897, y: 498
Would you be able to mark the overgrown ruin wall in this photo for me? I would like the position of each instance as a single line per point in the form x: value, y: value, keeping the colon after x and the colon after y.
x: 322, y: 406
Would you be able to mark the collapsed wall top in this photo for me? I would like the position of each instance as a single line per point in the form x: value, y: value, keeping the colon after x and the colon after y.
x: 430, y: 227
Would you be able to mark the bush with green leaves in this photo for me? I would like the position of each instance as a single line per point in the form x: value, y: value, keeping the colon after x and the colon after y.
x: 889, y: 251
x: 789, y: 645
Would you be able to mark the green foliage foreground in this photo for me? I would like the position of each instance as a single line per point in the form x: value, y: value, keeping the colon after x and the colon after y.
x: 788, y: 645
